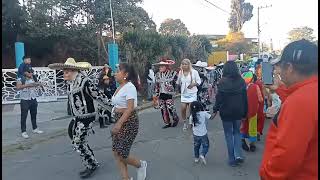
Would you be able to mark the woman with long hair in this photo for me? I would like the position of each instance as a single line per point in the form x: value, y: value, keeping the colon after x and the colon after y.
x: 126, y: 127
x: 231, y: 102
x: 188, y: 80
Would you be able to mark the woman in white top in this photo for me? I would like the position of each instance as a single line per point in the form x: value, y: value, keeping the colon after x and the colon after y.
x: 188, y: 80
x: 126, y: 127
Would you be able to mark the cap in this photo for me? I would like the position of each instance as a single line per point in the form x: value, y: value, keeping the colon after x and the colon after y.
x: 300, y: 52
x: 28, y: 69
x: 274, y: 61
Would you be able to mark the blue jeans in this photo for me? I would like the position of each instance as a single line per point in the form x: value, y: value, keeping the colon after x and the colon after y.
x: 233, y: 139
x: 198, y: 141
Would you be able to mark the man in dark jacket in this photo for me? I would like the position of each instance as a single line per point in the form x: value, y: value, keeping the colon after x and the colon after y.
x: 231, y: 102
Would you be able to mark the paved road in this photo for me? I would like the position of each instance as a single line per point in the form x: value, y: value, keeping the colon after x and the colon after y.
x: 169, y: 154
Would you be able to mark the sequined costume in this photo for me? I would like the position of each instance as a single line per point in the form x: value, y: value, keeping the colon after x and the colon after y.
x: 81, y: 93
x: 164, y: 91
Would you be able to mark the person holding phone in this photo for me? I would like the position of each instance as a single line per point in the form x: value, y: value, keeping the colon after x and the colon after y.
x: 291, y: 147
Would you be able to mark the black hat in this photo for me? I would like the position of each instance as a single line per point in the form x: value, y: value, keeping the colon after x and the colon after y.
x: 300, y: 52
x: 28, y: 69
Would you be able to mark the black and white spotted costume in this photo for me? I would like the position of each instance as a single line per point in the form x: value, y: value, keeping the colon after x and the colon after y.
x: 81, y: 93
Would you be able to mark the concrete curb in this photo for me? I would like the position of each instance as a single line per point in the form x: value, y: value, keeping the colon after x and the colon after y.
x: 27, y: 145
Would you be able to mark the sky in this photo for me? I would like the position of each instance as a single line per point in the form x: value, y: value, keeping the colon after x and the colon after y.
x: 202, y: 18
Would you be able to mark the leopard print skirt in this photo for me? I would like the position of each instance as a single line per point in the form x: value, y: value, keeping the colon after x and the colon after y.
x: 122, y: 142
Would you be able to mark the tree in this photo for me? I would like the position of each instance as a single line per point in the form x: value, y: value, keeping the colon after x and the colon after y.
x: 13, y: 22
x: 199, y: 48
x: 240, y: 13
x: 235, y: 43
x: 173, y: 27
x: 299, y: 33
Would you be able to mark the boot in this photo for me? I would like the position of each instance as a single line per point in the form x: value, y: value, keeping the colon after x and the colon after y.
x: 175, y: 123
x: 106, y: 121
x: 166, y: 126
x: 88, y: 172
x: 101, y: 123
x: 253, y: 147
x: 82, y: 172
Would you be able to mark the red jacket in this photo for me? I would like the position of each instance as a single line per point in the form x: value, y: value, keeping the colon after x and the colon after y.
x: 282, y: 92
x: 291, y: 150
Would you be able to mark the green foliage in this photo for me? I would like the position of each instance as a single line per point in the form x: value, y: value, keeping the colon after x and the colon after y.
x: 240, y: 13
x: 235, y: 43
x: 299, y: 33
x: 53, y: 30
x: 173, y: 27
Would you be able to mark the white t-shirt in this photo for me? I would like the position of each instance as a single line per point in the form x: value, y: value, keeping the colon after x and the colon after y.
x: 201, y: 128
x: 186, y: 81
x: 128, y: 91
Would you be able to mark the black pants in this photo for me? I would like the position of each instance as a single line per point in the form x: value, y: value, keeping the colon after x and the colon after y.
x: 25, y: 106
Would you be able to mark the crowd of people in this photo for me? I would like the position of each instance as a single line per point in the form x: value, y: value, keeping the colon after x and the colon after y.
x: 238, y: 94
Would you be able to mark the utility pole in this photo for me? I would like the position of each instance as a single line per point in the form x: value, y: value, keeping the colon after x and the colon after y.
x: 112, y: 23
x: 260, y: 7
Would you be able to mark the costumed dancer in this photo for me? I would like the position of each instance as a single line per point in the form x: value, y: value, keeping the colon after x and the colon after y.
x: 107, y: 84
x: 249, y: 125
x: 81, y: 93
x: 203, y: 95
x: 210, y: 75
x: 164, y: 90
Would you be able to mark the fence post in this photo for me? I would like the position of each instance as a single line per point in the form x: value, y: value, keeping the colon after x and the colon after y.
x: 19, y: 52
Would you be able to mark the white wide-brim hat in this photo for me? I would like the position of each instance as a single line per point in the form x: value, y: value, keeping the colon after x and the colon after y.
x: 210, y: 68
x: 71, y: 64
x: 200, y: 64
x: 221, y: 64
x: 164, y: 62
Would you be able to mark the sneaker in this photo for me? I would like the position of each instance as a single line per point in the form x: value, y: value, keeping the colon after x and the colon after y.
x: 196, y: 160
x: 37, y: 131
x: 239, y: 160
x: 142, y: 171
x: 203, y: 159
x: 25, y: 135
x: 185, y: 126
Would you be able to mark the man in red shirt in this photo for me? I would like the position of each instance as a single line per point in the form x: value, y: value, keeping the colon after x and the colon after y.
x: 291, y: 150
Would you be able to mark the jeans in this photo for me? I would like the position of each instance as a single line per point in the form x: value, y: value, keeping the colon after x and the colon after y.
x: 150, y: 89
x: 25, y: 106
x: 198, y: 141
x: 233, y: 139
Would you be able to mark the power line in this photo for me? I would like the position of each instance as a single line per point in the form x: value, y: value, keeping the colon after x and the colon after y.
x: 216, y: 6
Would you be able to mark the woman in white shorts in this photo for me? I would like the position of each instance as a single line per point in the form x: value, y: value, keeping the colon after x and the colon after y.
x: 188, y: 80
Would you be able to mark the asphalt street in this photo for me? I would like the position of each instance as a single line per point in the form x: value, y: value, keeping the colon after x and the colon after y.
x: 169, y: 153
